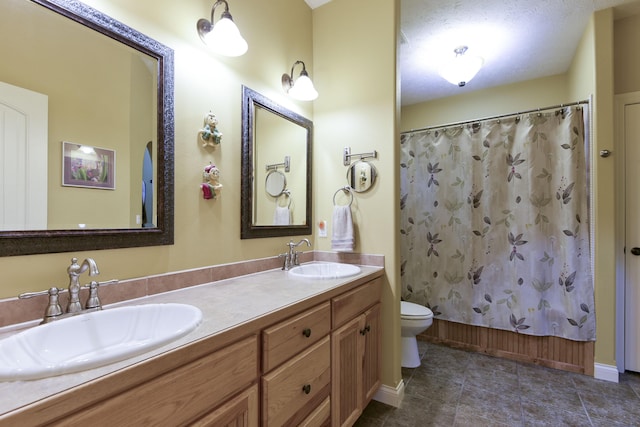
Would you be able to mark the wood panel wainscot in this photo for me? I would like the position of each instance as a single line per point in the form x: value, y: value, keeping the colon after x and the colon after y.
x: 552, y: 352
x: 312, y: 363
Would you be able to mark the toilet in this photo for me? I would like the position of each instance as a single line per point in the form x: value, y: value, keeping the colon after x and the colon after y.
x: 414, y: 319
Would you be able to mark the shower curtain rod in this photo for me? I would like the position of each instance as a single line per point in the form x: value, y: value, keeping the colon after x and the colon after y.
x: 535, y: 110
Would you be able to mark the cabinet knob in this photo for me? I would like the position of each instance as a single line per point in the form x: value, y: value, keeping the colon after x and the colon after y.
x: 306, y: 388
x: 365, y: 330
x: 306, y: 332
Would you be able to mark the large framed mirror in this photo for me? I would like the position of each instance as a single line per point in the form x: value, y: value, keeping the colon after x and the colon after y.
x: 276, y: 169
x: 104, y: 92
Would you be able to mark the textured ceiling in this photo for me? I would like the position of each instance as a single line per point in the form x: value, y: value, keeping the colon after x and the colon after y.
x: 518, y: 39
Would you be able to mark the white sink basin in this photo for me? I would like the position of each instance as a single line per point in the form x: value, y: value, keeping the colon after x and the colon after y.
x: 325, y: 270
x: 93, y: 339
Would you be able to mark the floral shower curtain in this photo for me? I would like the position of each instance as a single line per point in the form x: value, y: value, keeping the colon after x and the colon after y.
x: 495, y: 229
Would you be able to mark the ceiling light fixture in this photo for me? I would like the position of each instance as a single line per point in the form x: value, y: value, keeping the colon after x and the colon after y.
x: 302, y: 89
x: 462, y: 68
x: 224, y: 37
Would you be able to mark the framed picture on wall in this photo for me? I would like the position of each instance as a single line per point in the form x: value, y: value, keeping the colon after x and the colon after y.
x: 87, y: 166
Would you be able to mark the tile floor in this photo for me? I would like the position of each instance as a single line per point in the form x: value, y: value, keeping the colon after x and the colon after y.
x: 459, y: 388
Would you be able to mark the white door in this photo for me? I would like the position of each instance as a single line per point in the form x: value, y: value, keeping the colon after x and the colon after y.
x: 631, y: 137
x: 23, y: 158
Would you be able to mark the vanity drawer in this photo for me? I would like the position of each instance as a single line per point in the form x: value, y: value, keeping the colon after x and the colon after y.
x: 320, y: 417
x: 286, y: 339
x: 294, y: 390
x: 352, y: 303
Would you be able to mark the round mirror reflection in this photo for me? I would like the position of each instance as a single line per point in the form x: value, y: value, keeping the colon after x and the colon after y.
x: 361, y: 176
x: 275, y: 183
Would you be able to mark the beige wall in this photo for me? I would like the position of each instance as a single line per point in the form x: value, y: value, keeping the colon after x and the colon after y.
x: 627, y: 60
x: 355, y: 51
x: 603, y: 182
x: 486, y: 103
x: 206, y: 232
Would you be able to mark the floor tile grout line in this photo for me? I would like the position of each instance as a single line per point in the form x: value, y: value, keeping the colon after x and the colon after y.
x: 522, y: 421
x: 582, y: 402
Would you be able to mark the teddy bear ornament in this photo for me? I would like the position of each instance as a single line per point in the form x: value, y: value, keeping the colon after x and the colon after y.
x: 210, y: 135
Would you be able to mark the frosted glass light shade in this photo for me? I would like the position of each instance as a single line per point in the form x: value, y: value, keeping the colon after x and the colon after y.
x: 225, y: 39
x: 303, y: 89
x: 461, y: 69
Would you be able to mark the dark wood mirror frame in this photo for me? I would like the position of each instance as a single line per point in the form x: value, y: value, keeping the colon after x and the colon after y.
x: 51, y: 241
x: 249, y: 230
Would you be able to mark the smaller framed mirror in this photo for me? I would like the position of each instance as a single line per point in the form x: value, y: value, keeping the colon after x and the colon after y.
x: 274, y: 202
x: 361, y: 175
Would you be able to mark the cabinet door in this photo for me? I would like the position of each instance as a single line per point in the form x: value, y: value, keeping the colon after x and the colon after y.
x: 372, y: 357
x: 346, y: 376
x: 241, y: 411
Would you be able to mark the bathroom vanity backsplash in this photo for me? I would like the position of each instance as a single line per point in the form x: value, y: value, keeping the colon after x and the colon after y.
x: 14, y: 310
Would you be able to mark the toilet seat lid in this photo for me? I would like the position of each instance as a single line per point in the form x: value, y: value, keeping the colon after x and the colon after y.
x: 414, y: 311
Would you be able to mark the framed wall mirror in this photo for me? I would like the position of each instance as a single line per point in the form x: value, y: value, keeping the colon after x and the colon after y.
x: 104, y: 92
x: 271, y: 133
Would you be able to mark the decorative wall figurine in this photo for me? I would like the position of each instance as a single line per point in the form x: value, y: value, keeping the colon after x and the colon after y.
x: 210, y: 134
x: 211, y: 184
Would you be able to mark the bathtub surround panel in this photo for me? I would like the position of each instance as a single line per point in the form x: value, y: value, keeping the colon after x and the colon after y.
x: 552, y: 352
x: 495, y: 225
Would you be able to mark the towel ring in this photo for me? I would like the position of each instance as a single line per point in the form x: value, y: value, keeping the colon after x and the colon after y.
x: 284, y: 193
x: 346, y: 189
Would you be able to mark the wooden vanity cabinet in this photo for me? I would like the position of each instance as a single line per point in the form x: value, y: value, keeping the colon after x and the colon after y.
x: 355, y: 352
x: 318, y: 367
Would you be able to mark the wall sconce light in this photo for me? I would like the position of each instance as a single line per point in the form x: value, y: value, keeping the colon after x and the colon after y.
x: 302, y: 89
x: 224, y: 37
x: 462, y: 68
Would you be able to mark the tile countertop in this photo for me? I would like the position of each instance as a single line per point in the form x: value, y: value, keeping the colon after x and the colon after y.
x: 225, y: 304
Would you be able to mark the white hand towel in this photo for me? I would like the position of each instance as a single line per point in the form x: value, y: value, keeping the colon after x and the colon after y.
x: 282, y: 215
x: 342, y: 239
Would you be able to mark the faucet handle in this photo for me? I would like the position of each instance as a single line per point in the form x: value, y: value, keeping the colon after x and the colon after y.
x: 50, y: 291
x: 53, y: 309
x: 93, y: 301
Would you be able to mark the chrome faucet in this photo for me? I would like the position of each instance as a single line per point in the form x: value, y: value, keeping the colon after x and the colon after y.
x: 75, y: 270
x: 291, y: 257
x: 54, y: 310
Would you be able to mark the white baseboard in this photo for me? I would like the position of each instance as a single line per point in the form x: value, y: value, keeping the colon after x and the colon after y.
x: 605, y: 372
x: 390, y: 395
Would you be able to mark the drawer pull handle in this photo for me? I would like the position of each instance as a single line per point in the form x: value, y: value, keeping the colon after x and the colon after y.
x: 306, y: 388
x: 365, y: 330
x: 307, y: 332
